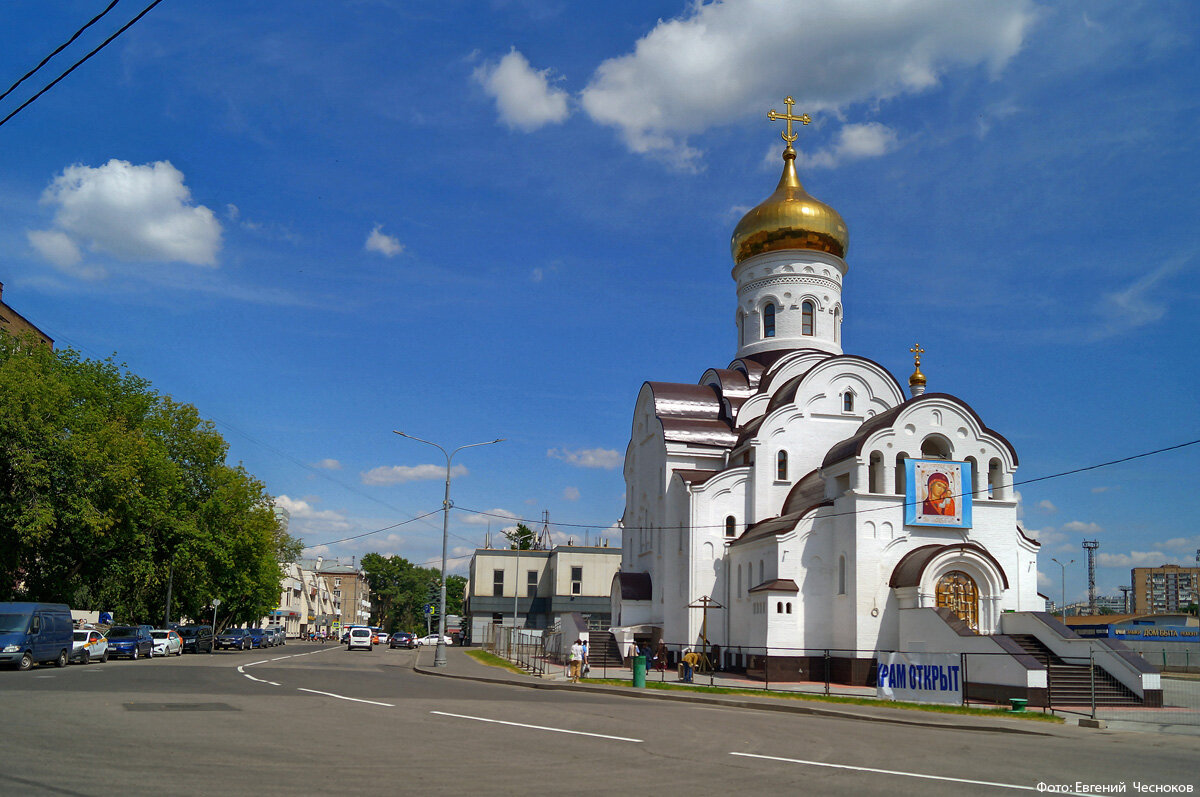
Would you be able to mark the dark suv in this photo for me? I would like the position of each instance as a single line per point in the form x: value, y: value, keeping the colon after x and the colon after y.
x: 196, y: 638
x: 238, y: 638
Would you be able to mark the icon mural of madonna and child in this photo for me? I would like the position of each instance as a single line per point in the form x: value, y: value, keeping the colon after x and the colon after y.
x: 935, y: 494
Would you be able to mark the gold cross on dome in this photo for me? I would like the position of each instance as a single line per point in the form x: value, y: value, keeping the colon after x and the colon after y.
x: 774, y: 116
x: 917, y: 352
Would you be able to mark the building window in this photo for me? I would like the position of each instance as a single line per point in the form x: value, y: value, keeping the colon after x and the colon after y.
x: 806, y: 318
x: 781, y: 466
x: 730, y: 526
x: 837, y: 324
x: 531, y: 580
x: 741, y: 325
x: 789, y: 607
x: 497, y: 583
x: 576, y: 580
x: 847, y: 402
x: 779, y: 607
x: 497, y: 618
x: 842, y: 575
x: 769, y: 321
x: 739, y: 592
x: 337, y: 582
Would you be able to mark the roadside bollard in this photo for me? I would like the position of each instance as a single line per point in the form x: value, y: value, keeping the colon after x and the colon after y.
x: 639, y: 672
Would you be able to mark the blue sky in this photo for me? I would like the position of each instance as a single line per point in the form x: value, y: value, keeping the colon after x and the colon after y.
x: 319, y: 222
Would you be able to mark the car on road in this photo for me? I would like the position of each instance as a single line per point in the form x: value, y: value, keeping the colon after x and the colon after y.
x: 131, y: 641
x: 402, y: 639
x: 280, y: 634
x: 234, y: 639
x: 261, y: 638
x: 360, y: 638
x: 196, y: 638
x: 35, y: 632
x: 432, y: 639
x: 90, y: 645
x: 166, y: 642
x: 378, y: 636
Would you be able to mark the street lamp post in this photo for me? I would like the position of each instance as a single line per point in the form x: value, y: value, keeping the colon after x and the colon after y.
x: 1062, y: 609
x: 439, y: 657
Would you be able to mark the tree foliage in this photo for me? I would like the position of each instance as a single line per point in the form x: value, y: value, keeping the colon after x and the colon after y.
x: 107, y: 486
x: 520, y: 538
x: 400, y: 591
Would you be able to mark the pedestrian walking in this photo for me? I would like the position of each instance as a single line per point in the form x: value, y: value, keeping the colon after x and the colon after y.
x: 576, y: 663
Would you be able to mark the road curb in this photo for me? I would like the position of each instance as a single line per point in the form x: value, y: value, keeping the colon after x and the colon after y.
x: 710, y: 700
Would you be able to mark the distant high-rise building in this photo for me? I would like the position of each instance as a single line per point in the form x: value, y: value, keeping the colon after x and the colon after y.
x: 1167, y: 588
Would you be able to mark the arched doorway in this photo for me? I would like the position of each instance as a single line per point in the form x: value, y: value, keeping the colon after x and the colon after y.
x: 957, y: 592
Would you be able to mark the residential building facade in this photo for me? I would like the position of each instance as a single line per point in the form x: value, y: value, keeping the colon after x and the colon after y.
x: 1167, y: 588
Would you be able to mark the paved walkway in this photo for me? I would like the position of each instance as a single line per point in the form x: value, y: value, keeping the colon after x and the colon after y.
x: 460, y: 665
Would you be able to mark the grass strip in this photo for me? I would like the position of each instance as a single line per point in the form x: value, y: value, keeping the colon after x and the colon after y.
x: 1035, y: 716
x: 483, y: 657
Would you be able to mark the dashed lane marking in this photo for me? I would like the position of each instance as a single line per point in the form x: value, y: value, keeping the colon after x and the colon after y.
x: 538, y: 727
x: 343, y: 697
x: 894, y: 772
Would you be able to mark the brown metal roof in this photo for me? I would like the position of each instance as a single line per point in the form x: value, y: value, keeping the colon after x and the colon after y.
x: 778, y: 585
x: 908, y: 570
x: 852, y: 446
x: 808, y: 492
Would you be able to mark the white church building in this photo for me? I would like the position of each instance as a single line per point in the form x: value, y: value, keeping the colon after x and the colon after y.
x: 807, y: 494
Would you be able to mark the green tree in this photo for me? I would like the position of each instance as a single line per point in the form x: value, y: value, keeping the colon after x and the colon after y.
x: 400, y: 591
x: 107, y: 488
x: 520, y: 538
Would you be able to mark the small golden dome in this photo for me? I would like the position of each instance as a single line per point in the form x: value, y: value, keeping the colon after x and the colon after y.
x: 790, y: 219
x: 917, y: 378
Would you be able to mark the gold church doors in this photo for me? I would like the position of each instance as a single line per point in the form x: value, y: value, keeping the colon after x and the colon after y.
x: 957, y: 592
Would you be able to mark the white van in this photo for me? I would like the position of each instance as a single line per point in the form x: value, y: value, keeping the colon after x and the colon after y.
x: 360, y: 637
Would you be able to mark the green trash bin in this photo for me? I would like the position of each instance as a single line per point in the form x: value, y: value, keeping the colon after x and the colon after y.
x: 1018, y: 703
x: 639, y: 671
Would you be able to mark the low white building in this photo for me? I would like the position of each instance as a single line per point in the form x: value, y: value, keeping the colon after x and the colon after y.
x: 542, y: 585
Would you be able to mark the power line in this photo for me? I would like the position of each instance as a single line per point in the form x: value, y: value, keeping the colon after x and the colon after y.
x: 376, y: 531
x: 1018, y: 483
x: 60, y: 48
x: 80, y: 62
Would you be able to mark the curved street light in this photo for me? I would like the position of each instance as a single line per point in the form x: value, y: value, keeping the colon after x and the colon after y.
x: 439, y: 658
x: 1062, y: 610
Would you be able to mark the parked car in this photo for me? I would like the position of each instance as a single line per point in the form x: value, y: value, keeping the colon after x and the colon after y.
x: 196, y: 638
x: 432, y: 639
x: 166, y: 642
x: 234, y: 639
x: 402, y: 639
x: 378, y: 636
x: 261, y: 638
x: 133, y: 641
x: 280, y: 634
x: 35, y: 632
x: 360, y: 638
x: 90, y: 645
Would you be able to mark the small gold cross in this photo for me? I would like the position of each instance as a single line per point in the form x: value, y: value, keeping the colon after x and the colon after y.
x: 917, y: 352
x: 803, y: 118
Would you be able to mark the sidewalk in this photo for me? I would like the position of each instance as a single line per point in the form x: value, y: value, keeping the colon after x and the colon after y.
x: 460, y: 665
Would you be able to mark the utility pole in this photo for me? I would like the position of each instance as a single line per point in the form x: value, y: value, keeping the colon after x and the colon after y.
x: 1125, y: 598
x: 1090, y: 546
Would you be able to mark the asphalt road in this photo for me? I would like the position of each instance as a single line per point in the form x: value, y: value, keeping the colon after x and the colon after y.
x: 310, y: 719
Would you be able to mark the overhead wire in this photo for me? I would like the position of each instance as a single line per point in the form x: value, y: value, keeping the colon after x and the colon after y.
x: 1016, y: 483
x: 80, y: 62
x: 59, y: 49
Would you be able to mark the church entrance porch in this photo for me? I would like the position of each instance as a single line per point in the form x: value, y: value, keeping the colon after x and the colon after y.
x: 957, y: 592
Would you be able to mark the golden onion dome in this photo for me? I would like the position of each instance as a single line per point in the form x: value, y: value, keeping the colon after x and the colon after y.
x: 917, y: 378
x: 790, y: 219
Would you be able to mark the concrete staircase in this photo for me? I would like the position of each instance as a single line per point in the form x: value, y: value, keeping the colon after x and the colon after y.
x: 603, y: 650
x: 1071, y: 684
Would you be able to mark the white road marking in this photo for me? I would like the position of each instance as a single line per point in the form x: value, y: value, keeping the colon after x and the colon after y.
x: 894, y: 772
x: 537, y: 727
x: 281, y: 658
x: 251, y: 664
x: 343, y: 697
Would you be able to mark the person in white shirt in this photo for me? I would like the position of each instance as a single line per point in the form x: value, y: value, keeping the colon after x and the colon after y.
x: 576, y: 660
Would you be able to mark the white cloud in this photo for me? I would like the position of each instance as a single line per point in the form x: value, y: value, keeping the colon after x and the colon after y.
x: 399, y: 474
x: 1098, y: 490
x: 719, y: 62
x: 1138, y: 305
x: 524, y: 97
x: 1044, y: 580
x: 491, y: 516
x: 328, y: 464
x: 133, y: 213
x: 55, y: 246
x: 1136, y: 559
x: 854, y: 142
x: 1079, y: 527
x: 384, y: 244
x: 305, y: 519
x: 587, y: 457
x: 537, y: 275
x: 571, y: 493
x: 1047, y: 507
